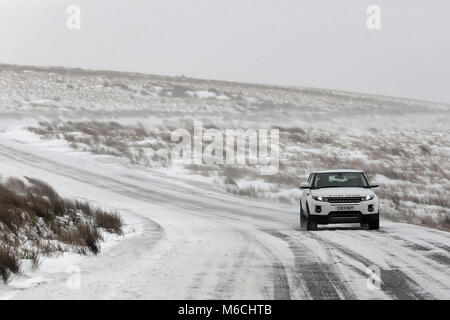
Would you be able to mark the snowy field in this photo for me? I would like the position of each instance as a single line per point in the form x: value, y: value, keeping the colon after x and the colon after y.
x: 215, y: 231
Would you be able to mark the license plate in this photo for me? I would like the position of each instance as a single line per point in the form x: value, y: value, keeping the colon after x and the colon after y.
x: 345, y: 208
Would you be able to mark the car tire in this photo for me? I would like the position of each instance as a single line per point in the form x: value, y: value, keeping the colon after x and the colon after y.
x: 374, y: 224
x: 303, y: 220
x: 310, y: 224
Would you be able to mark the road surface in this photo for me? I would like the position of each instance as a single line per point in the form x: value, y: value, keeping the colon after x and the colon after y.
x: 188, y: 242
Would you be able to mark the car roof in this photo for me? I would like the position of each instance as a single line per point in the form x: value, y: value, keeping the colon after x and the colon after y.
x: 337, y: 171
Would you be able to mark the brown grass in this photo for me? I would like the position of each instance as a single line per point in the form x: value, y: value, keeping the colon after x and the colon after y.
x: 9, y: 263
x: 36, y: 221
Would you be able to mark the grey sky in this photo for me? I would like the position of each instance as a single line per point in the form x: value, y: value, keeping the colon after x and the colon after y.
x: 315, y: 43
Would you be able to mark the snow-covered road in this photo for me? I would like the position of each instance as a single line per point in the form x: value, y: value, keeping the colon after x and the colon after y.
x: 192, y: 243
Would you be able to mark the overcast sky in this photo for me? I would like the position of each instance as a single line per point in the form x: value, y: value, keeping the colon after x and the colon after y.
x: 315, y: 43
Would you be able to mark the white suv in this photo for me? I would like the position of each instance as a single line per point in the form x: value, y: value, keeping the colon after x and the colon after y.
x: 338, y: 196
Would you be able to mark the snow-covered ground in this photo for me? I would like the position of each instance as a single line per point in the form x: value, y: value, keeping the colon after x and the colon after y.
x: 188, y: 238
x: 191, y: 243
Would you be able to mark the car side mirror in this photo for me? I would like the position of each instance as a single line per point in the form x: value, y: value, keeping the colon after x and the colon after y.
x: 374, y: 185
x: 304, y: 185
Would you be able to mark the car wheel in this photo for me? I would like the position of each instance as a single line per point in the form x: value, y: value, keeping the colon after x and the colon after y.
x: 310, y: 224
x: 374, y: 224
x: 303, y: 220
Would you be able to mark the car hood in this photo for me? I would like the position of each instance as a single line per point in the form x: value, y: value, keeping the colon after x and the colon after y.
x: 342, y: 192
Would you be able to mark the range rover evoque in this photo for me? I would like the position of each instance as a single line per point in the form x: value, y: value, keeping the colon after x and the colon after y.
x: 338, y: 196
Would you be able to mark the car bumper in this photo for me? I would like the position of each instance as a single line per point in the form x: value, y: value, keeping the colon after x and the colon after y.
x: 329, y: 213
x: 353, y: 217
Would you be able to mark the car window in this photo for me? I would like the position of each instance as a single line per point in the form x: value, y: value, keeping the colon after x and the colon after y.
x: 340, y: 179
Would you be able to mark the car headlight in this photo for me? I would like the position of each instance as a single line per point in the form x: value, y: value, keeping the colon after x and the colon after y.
x: 319, y: 198
x: 367, y: 198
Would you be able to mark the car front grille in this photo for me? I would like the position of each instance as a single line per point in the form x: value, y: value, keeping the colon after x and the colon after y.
x: 344, y: 214
x: 344, y: 199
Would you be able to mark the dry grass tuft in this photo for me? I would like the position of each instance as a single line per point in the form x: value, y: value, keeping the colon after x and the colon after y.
x: 35, y: 221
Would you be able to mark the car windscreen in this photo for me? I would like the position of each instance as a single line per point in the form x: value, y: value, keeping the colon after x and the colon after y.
x: 340, y: 179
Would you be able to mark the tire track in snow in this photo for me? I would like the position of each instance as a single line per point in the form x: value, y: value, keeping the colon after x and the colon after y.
x: 263, y: 261
x: 394, y: 281
x: 277, y: 270
x: 432, y: 250
x: 319, y: 280
x: 228, y: 276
